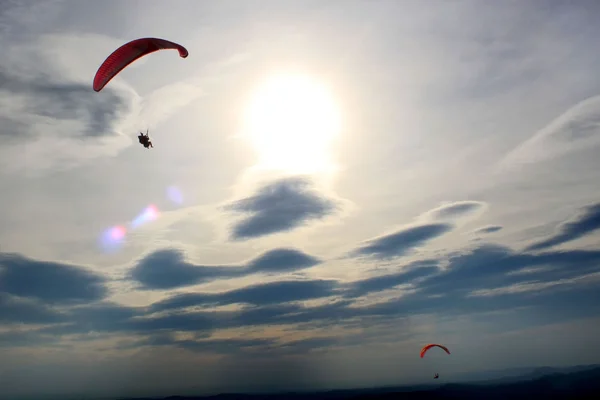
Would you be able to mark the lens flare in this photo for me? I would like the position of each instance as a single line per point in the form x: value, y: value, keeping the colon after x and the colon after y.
x: 149, y: 214
x: 118, y: 233
x: 174, y: 194
x: 113, y: 238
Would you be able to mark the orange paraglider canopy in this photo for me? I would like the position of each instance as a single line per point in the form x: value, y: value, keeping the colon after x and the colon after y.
x: 128, y: 53
x: 428, y: 346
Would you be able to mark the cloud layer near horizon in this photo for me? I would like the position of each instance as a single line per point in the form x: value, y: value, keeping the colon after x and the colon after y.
x: 59, y: 300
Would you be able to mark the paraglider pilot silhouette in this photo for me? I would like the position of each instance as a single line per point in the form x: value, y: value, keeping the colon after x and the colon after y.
x: 144, y: 139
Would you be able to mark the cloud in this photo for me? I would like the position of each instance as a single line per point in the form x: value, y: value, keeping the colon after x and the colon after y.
x: 545, y: 286
x: 280, y: 292
x: 585, y: 223
x: 257, y: 347
x: 431, y: 224
x: 490, y: 266
x: 155, y: 109
x: 407, y: 275
x: 16, y: 17
x: 100, y: 318
x: 280, y: 206
x: 535, y: 284
x: 47, y: 99
x: 60, y: 119
x: 26, y: 339
x: 488, y: 229
x: 168, y: 269
x: 49, y: 282
x: 528, y: 287
x: 267, y: 301
x: 213, y: 345
x: 455, y: 210
x: 304, y: 345
x: 575, y: 130
x: 403, y: 241
x: 282, y: 260
x: 261, y: 294
x: 14, y: 310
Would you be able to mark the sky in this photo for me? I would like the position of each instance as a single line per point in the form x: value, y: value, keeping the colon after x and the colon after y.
x: 332, y: 186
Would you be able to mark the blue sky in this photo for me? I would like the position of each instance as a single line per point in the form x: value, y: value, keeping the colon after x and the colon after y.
x: 332, y: 185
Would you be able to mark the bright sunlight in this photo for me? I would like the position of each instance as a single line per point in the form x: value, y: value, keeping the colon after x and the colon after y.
x: 292, y: 121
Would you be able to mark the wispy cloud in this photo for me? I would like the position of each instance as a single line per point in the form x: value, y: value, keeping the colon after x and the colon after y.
x: 454, y: 210
x: 257, y: 295
x: 484, y: 270
x: 168, y: 269
x: 15, y: 310
x: 49, y: 282
x: 282, y: 260
x: 50, y: 100
x: 583, y: 224
x: 510, y: 280
x: 217, y: 346
x: 16, y: 16
x: 488, y: 229
x: 574, y: 130
x: 278, y: 207
x: 54, y: 114
x: 402, y: 241
x: 429, y: 226
x: 407, y: 275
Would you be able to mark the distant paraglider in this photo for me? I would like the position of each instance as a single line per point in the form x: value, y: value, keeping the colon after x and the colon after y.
x: 426, y: 348
x: 128, y: 53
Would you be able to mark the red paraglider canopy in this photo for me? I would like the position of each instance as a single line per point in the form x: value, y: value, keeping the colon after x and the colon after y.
x: 128, y: 53
x: 428, y: 346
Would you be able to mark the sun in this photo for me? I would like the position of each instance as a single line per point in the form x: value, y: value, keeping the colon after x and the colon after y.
x: 292, y: 122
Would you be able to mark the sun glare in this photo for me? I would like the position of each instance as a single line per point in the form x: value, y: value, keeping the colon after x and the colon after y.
x: 292, y: 121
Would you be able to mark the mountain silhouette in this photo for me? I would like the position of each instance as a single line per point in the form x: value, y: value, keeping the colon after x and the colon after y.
x: 578, y: 382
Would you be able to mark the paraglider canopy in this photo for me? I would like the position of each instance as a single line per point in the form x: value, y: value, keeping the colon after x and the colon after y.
x: 128, y: 53
x: 429, y: 346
